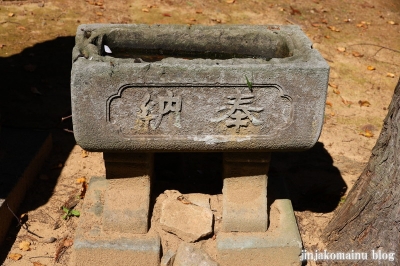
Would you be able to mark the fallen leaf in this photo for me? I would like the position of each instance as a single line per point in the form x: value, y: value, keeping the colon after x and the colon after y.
x: 390, y: 75
x: 347, y: 20
x: 324, y: 21
x: 166, y: 15
x: 371, y: 68
x: 98, y: 4
x: 281, y: 9
x: 328, y: 103
x: 333, y: 85
x: 294, y: 11
x: 84, y: 154
x: 199, y: 11
x: 14, y: 256
x: 346, y: 102
x: 145, y: 10
x: 367, y: 134
x: 81, y: 180
x: 316, y: 25
x: 10, y: 14
x: 332, y: 113
x: 327, y: 36
x: 36, y: 263
x: 99, y: 13
x: 391, y: 22
x: 24, y: 245
x: 21, y: 28
x: 192, y: 19
x: 336, y: 91
x: 364, y: 103
x: 230, y: 1
x: 357, y: 54
x: 333, y: 28
x: 68, y: 242
x: 341, y: 49
x: 83, y: 191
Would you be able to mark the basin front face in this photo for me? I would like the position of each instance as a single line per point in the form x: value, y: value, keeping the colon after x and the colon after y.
x: 200, y: 88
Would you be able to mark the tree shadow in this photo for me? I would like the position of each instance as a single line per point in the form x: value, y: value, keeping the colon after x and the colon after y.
x: 35, y: 95
x: 313, y: 182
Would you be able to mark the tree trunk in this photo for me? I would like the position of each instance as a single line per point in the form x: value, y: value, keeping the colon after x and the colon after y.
x: 369, y: 220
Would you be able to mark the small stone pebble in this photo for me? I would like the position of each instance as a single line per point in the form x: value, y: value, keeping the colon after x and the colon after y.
x: 48, y: 240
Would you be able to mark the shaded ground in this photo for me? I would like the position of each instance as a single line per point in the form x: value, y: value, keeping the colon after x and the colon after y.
x: 36, y: 39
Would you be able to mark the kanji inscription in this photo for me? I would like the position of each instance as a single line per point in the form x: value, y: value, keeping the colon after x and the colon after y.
x: 172, y: 111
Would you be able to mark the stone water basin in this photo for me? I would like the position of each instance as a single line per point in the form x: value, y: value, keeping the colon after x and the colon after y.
x: 155, y: 88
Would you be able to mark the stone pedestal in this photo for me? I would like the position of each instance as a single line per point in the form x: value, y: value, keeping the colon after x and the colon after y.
x: 280, y: 245
x: 115, y: 218
x: 245, y: 192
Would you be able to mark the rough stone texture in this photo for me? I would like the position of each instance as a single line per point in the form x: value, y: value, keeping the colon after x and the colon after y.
x: 168, y: 258
x: 189, y: 255
x: 199, y: 199
x: 245, y: 192
x: 93, y: 246
x: 202, y: 104
x: 188, y: 221
x: 127, y: 197
x: 279, y: 246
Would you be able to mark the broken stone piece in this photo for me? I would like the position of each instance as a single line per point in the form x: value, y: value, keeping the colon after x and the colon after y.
x: 185, y: 219
x: 188, y: 255
x: 168, y: 258
x: 199, y: 199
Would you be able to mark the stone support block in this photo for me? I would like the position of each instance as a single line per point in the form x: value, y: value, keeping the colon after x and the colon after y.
x: 127, y: 197
x: 280, y: 245
x: 245, y: 192
x: 94, y: 246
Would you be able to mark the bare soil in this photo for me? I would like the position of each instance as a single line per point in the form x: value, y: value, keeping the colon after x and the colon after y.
x: 359, y: 40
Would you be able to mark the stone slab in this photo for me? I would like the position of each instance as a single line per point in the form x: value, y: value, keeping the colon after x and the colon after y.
x: 168, y: 258
x: 244, y: 204
x: 22, y: 154
x: 93, y: 246
x: 280, y: 245
x: 196, y: 96
x: 245, y: 192
x: 190, y: 255
x: 188, y: 221
x: 127, y: 197
x: 126, y: 205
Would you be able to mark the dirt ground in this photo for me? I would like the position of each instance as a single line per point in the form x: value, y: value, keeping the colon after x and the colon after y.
x: 359, y: 40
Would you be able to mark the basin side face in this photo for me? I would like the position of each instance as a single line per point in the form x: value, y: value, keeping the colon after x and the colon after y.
x: 199, y: 88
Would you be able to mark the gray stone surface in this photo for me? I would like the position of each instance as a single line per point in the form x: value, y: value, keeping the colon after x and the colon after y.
x: 200, y: 104
x: 186, y: 220
x: 280, y: 245
x: 189, y: 255
x: 168, y: 258
x: 245, y: 192
x: 94, y: 246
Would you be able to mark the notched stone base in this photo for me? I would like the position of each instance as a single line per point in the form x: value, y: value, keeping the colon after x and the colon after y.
x: 95, y: 246
x: 279, y: 245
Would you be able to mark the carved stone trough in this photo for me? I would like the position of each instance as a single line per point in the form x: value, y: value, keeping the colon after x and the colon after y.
x: 141, y: 89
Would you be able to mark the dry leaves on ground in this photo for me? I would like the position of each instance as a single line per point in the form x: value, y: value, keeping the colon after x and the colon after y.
x: 14, y: 256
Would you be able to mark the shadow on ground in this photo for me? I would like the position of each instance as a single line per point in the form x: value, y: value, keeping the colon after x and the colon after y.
x: 314, y: 183
x: 35, y: 95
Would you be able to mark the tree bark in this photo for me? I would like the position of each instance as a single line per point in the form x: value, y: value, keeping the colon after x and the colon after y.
x: 369, y: 220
